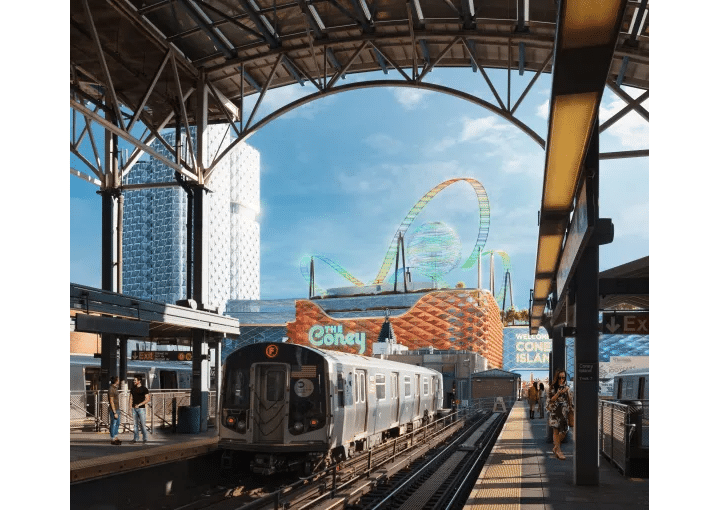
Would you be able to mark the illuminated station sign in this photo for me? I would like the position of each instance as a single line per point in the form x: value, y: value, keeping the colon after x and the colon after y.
x: 522, y: 351
x: 161, y: 355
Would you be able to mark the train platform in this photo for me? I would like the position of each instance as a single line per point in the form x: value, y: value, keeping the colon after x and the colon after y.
x: 92, y: 456
x: 522, y: 472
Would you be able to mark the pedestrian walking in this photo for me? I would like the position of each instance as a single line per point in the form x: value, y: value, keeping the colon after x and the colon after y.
x: 532, y: 398
x: 139, y: 396
x: 114, y: 402
x: 559, y: 406
x: 541, y: 399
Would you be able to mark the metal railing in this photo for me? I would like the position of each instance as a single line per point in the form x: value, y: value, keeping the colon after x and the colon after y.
x: 89, y: 410
x: 625, y: 433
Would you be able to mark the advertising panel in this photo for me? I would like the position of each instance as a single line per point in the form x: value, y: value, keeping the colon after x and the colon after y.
x: 523, y: 351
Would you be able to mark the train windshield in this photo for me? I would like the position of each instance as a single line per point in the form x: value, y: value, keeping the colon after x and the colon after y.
x: 237, y: 388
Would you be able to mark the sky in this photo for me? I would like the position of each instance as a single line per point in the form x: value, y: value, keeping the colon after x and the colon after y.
x: 339, y: 175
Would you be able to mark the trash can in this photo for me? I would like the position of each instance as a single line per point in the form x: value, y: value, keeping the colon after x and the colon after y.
x: 188, y: 420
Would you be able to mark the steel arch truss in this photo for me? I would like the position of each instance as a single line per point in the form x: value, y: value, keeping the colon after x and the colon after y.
x: 191, y: 62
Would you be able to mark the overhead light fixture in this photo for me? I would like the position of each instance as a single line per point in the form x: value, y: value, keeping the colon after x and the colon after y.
x: 365, y: 9
x: 418, y: 11
x: 316, y: 15
x: 572, y: 122
x: 548, y: 252
x: 542, y: 289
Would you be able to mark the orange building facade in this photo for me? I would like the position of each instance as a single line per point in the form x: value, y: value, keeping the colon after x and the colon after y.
x: 459, y: 319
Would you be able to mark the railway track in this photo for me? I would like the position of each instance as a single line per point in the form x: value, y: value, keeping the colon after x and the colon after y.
x: 432, y: 467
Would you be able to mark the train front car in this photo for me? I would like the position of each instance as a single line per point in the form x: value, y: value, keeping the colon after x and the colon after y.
x: 275, y: 403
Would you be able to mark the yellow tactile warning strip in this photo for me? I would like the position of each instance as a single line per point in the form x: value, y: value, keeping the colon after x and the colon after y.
x: 498, y: 486
x: 86, y: 469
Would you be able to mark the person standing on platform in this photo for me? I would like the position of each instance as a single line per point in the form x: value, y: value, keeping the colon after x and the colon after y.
x: 114, y: 402
x: 139, y: 396
x: 558, y: 407
x: 532, y: 398
x: 541, y: 399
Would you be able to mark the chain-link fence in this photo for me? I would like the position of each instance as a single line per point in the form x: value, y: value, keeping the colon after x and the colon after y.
x: 89, y: 410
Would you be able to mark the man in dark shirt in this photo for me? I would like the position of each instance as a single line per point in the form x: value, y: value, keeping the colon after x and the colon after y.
x: 114, y: 401
x: 139, y: 396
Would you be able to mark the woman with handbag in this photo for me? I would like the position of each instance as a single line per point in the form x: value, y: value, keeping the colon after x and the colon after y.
x: 559, y: 407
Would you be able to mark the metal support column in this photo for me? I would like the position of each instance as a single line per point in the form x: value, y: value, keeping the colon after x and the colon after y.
x: 218, y: 379
x: 110, y: 263
x: 123, y: 363
x: 199, y: 395
x: 558, y: 351
x: 200, y: 378
x: 586, y: 465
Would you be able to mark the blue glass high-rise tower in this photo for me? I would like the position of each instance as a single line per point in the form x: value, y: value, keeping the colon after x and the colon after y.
x: 155, y: 235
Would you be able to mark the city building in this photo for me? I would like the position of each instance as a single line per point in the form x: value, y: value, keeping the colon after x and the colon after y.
x: 155, y: 235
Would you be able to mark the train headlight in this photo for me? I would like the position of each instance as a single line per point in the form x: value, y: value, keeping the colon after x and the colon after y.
x: 230, y: 421
x: 241, y: 427
x: 314, y: 423
x: 298, y: 426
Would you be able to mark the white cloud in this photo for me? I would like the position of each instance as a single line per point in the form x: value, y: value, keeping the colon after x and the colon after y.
x: 631, y: 131
x: 410, y: 98
x: 633, y: 221
x: 487, y: 129
x: 543, y: 111
x: 384, y: 143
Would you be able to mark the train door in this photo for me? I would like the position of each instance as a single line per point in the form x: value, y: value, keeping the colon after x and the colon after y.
x: 168, y: 380
x: 619, y: 388
x: 360, y: 401
x: 270, y: 402
x: 641, y: 389
x: 92, y: 390
x: 394, y: 397
x: 434, y: 390
x: 417, y: 394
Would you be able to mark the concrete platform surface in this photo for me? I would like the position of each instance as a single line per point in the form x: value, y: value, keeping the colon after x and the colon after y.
x: 522, y: 472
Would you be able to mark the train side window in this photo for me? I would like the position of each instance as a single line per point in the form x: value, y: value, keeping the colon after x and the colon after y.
x: 357, y: 396
x: 340, y: 391
x: 275, y: 385
x: 619, y: 388
x: 426, y: 386
x: 380, y: 386
x: 408, y: 387
x: 362, y: 386
x: 641, y: 389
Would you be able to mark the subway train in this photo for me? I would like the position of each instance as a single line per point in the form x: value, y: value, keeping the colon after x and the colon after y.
x: 632, y: 384
x: 295, y: 408
x: 155, y: 375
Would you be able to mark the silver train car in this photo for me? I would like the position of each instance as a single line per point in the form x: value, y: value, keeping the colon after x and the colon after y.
x: 156, y: 375
x: 632, y: 385
x: 294, y: 408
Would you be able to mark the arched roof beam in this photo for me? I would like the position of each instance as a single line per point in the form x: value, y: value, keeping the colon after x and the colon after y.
x: 250, y: 129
